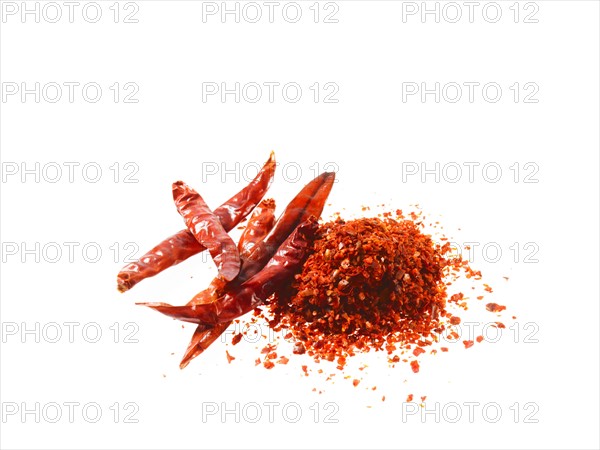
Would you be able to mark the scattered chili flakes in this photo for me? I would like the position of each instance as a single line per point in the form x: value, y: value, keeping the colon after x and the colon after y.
x: 417, y: 351
x: 257, y: 361
x: 468, y: 344
x: 305, y: 370
x: 383, y: 398
x: 283, y: 360
x: 479, y: 338
x: 355, y: 382
x: 454, y: 320
x: 453, y: 336
x: 423, y: 398
x: 414, y: 365
x: 268, y: 364
x: 299, y: 348
x: 268, y: 348
x: 409, y: 398
x: 494, y: 307
x: 444, y: 349
x: 229, y: 357
x: 236, y: 339
x: 480, y: 297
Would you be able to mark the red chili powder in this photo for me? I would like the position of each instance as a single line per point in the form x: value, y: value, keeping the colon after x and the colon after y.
x: 370, y: 284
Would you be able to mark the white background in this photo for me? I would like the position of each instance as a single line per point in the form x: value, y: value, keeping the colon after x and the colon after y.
x: 369, y: 133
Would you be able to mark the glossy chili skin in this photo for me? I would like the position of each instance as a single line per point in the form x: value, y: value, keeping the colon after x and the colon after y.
x: 280, y: 269
x: 183, y: 244
x: 259, y: 225
x: 310, y: 201
x: 207, y: 229
x: 201, y: 340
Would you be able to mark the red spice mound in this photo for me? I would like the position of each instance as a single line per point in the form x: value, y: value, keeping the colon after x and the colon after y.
x: 368, y: 284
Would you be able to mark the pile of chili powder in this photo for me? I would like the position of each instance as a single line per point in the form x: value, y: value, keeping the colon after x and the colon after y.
x: 370, y: 284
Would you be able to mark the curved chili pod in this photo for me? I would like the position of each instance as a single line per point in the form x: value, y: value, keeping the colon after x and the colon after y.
x: 201, y: 340
x: 286, y: 261
x: 310, y: 201
x: 207, y: 229
x: 259, y: 225
x: 183, y: 244
x: 169, y: 252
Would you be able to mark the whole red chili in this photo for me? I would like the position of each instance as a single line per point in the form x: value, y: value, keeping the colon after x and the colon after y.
x: 207, y: 229
x: 287, y: 259
x: 259, y: 225
x: 183, y: 244
x: 267, y: 238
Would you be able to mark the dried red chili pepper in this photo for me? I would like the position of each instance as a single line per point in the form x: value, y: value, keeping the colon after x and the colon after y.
x: 281, y: 267
x: 310, y: 201
x: 207, y: 229
x: 201, y: 340
x: 183, y: 244
x: 259, y: 225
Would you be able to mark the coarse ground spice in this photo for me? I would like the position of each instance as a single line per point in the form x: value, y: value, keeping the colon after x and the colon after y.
x: 370, y: 284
